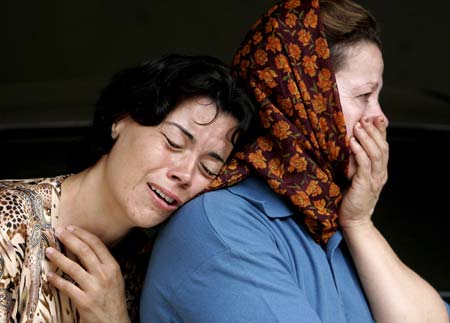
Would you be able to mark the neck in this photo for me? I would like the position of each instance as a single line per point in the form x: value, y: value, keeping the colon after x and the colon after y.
x: 87, y: 202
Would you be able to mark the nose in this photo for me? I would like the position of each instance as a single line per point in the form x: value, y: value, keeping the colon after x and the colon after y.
x: 182, y: 171
x: 376, y: 112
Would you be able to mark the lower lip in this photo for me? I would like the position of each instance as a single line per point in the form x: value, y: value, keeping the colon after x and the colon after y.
x: 160, y: 202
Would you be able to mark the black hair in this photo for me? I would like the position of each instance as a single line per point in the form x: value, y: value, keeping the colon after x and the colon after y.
x: 149, y: 92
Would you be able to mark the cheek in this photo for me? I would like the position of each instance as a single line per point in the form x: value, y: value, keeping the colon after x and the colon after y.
x: 352, y: 114
x: 199, y: 184
x: 351, y: 167
x: 350, y: 124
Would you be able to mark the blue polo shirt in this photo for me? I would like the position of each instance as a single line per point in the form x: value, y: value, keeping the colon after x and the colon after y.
x: 238, y: 255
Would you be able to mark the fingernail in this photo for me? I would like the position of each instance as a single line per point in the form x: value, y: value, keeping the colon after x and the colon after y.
x: 50, y: 251
x: 70, y: 228
x: 358, y: 125
x: 50, y: 274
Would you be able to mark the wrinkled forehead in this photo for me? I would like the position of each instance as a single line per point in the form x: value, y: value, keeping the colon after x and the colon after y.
x: 201, y: 119
x: 364, y: 55
x: 197, y: 110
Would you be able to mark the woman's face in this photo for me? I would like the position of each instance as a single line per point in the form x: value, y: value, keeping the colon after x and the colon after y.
x: 152, y: 171
x: 359, y: 83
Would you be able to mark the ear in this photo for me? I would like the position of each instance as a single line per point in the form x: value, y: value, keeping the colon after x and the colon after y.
x: 114, y: 131
x: 117, y: 127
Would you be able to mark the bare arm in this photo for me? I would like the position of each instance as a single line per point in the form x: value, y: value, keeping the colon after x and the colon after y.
x: 395, y: 293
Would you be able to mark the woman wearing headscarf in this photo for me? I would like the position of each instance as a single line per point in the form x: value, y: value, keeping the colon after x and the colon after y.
x: 294, y: 241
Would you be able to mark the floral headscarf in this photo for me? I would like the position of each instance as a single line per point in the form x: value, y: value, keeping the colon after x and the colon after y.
x: 303, y: 150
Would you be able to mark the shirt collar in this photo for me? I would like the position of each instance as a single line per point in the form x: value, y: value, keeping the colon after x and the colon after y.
x: 258, y: 193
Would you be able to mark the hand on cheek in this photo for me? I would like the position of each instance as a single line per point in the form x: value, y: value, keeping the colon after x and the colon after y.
x: 370, y: 149
x: 371, y: 135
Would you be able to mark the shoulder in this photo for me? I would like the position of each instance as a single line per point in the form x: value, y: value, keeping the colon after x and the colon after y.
x: 22, y: 203
x: 15, y: 206
x: 226, y: 217
x: 199, y: 230
x: 209, y: 228
x: 220, y: 252
x: 20, y: 198
x: 15, y: 210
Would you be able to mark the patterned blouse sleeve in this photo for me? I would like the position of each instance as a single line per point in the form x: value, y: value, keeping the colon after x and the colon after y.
x: 13, y: 212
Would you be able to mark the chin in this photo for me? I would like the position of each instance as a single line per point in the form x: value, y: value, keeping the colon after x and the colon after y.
x: 152, y: 220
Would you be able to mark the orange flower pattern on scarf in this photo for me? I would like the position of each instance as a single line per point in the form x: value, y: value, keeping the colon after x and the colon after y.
x: 303, y: 151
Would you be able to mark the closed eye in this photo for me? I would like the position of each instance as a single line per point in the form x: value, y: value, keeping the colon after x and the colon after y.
x: 209, y: 172
x: 365, y: 95
x: 171, y: 143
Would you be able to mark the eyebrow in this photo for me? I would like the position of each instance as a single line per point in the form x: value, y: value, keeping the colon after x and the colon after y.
x: 183, y: 130
x: 216, y: 156
x: 373, y: 86
x: 192, y: 139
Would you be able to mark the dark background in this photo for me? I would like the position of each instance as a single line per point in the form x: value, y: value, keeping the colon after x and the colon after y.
x: 56, y: 55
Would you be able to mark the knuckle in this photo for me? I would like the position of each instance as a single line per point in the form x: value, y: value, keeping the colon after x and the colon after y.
x: 55, y: 257
x: 62, y: 235
x: 110, y: 280
x: 54, y: 280
x: 61, y: 283
x: 115, y: 268
x: 112, y: 267
x: 112, y: 271
x: 85, y: 303
x: 92, y: 239
x: 377, y: 156
x: 84, y: 249
x: 76, y: 271
x: 104, y: 276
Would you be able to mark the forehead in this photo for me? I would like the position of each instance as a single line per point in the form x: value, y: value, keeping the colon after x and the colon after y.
x: 200, y: 110
x: 201, y: 115
x: 363, y: 62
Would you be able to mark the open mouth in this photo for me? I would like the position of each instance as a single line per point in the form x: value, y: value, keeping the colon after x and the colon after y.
x: 163, y: 196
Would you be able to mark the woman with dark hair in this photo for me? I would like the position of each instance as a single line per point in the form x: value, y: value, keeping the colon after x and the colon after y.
x: 161, y: 133
x: 294, y: 241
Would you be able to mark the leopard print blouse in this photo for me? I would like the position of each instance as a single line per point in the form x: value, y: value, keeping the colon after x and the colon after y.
x: 28, y: 213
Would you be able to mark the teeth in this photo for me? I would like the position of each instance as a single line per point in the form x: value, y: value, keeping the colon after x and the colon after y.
x: 162, y: 195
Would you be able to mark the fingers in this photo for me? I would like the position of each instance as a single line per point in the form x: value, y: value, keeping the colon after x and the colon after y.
x: 382, y: 124
x: 98, y: 271
x: 370, y: 150
x: 96, y: 245
x: 372, y: 138
x: 80, y: 248
x: 361, y: 157
x: 65, y: 286
x: 99, y: 265
x: 88, y: 248
x: 68, y: 266
x: 376, y: 133
x: 377, y: 129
